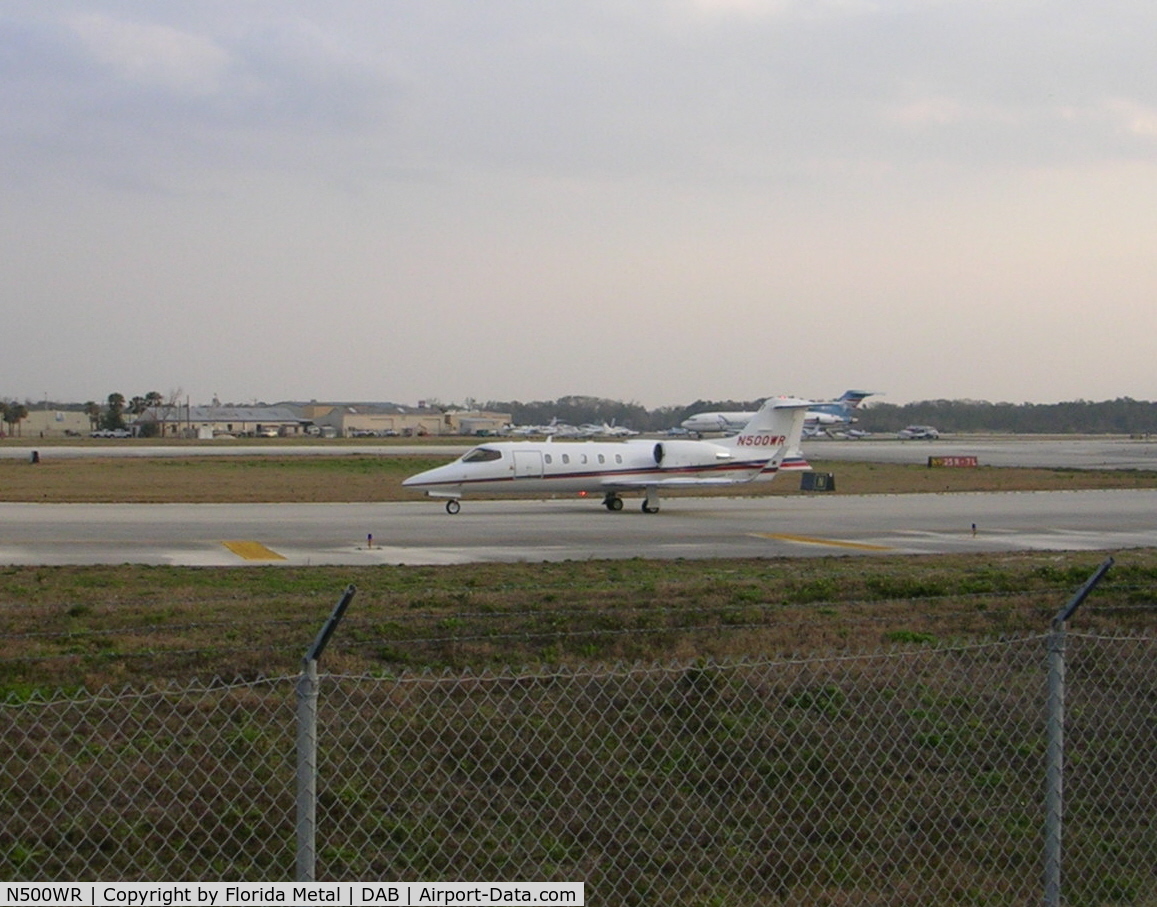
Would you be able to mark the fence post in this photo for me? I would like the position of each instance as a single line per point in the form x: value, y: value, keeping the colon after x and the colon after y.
x: 307, y: 772
x: 307, y: 687
x: 1055, y: 751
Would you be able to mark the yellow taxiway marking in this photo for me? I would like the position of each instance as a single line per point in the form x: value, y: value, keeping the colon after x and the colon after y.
x: 808, y: 540
x: 253, y: 551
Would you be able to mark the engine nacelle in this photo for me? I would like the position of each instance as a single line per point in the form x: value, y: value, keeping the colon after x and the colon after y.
x: 682, y: 454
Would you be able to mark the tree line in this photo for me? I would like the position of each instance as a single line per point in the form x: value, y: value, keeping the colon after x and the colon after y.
x: 13, y: 414
x: 1121, y: 416
x: 1124, y: 416
x: 111, y: 415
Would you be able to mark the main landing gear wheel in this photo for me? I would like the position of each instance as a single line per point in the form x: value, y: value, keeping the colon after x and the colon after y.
x: 613, y: 502
x: 452, y: 507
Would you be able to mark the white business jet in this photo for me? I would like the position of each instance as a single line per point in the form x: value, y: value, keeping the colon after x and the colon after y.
x: 611, y: 467
x: 820, y: 417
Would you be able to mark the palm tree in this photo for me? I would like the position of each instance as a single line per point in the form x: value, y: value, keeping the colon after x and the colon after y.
x: 92, y: 410
x: 14, y: 414
x: 156, y: 403
x: 114, y: 416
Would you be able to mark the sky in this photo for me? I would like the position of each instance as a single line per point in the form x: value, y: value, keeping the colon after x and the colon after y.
x: 653, y: 201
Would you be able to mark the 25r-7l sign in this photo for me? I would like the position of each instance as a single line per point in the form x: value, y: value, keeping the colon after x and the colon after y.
x: 952, y: 461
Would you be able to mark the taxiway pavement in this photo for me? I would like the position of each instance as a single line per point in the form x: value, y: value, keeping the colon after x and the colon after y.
x: 572, y: 529
x: 1089, y: 452
x: 996, y: 450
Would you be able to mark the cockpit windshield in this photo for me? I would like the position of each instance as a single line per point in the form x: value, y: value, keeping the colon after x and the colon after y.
x: 481, y: 455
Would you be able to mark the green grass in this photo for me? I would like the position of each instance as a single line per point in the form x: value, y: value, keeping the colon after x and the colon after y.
x: 363, y: 477
x: 716, y: 771
x: 75, y: 627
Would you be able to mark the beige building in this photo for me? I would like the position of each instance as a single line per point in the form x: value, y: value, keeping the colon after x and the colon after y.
x: 50, y: 423
x: 477, y: 422
x: 352, y: 420
x: 222, y: 421
x: 285, y: 420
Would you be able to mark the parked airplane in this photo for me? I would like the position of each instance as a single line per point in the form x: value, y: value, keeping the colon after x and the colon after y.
x: 592, y: 430
x: 554, y: 429
x: 558, y: 429
x: 612, y: 467
x: 838, y: 411
x: 819, y: 416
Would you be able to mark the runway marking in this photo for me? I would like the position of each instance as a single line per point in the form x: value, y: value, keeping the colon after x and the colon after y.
x: 252, y: 551
x: 808, y: 540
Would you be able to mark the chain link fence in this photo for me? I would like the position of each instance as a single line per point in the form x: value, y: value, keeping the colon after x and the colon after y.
x: 908, y: 776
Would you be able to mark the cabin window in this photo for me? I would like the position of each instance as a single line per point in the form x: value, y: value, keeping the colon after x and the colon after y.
x: 482, y: 455
x: 584, y: 458
x: 548, y: 459
x: 602, y: 459
x: 566, y: 458
x: 618, y: 458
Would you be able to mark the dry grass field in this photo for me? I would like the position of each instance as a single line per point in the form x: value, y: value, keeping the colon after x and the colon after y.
x: 361, y: 477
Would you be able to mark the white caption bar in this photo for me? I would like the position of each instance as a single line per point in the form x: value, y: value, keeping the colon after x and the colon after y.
x: 274, y: 894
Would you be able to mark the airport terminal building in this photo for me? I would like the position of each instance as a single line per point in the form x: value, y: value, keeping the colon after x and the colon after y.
x: 282, y: 420
x: 328, y: 420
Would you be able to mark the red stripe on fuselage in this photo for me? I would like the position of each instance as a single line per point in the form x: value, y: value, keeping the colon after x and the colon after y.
x: 580, y: 475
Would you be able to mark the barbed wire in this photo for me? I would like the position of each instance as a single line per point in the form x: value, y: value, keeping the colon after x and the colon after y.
x: 440, y: 640
x: 541, y: 670
x: 412, y: 617
x: 589, y: 585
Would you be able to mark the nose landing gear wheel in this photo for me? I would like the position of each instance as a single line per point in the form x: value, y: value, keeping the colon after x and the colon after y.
x: 453, y: 507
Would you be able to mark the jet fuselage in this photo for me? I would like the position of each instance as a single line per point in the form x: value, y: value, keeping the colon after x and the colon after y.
x: 610, y: 467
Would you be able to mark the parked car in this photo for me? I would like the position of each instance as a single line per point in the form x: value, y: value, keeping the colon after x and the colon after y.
x: 918, y: 433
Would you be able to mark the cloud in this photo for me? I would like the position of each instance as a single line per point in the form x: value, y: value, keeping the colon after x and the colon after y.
x: 934, y: 111
x: 151, y: 55
x: 811, y: 10
x: 101, y: 98
x: 629, y: 177
x: 740, y: 91
x: 1134, y: 118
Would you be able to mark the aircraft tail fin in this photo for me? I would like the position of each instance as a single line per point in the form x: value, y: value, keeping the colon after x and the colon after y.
x: 853, y: 399
x: 775, y: 430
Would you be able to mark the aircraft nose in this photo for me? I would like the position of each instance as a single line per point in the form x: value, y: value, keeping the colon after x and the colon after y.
x: 417, y: 479
x: 429, y: 477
